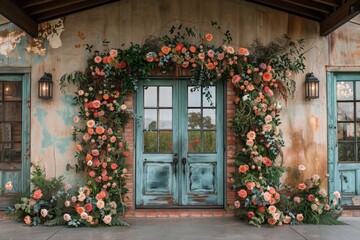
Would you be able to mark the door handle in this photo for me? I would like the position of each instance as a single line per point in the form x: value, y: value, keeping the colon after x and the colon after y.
x: 175, y: 162
x: 183, y: 162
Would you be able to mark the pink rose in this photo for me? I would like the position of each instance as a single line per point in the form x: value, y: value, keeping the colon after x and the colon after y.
x: 9, y: 186
x: 337, y: 194
x: 113, y: 53
x: 97, y: 59
x: 67, y: 217
x: 299, y: 217
x: 236, y: 79
x: 107, y: 219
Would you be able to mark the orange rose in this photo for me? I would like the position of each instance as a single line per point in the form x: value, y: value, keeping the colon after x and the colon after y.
x: 250, y: 87
x: 37, y: 194
x: 80, y: 210
x: 271, y: 221
x: 243, y: 51
x: 110, y: 59
x: 210, y: 66
x: 267, y: 76
x: 208, y: 37
x: 100, y: 130
x: 78, y: 147
x: 88, y: 157
x: 242, y: 193
x: 243, y: 168
x: 250, y: 185
x: 192, y: 49
x: 165, y: 50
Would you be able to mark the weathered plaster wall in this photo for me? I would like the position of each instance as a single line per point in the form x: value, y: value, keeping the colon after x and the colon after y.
x: 304, y: 122
x: 344, y: 44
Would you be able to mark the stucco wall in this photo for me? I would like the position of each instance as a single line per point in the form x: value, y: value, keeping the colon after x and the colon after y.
x: 304, y: 122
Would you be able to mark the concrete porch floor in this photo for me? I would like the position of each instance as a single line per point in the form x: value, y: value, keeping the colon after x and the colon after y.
x: 224, y: 228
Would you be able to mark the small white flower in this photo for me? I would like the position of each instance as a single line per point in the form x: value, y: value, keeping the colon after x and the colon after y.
x: 44, y: 212
x: 89, y: 163
x: 246, y: 97
x: 301, y: 168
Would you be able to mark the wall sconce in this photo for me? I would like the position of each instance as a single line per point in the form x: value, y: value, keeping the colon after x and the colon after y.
x: 46, y: 86
x: 311, y: 86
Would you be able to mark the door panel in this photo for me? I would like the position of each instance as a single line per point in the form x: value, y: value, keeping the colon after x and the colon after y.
x: 180, y: 145
x: 13, y: 135
x: 344, y: 135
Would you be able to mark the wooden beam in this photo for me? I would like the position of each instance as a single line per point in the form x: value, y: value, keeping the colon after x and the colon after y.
x: 311, y: 5
x: 18, y: 17
x: 332, y: 3
x: 340, y: 17
x: 291, y: 8
x: 77, y: 7
x: 54, y: 5
x: 31, y: 3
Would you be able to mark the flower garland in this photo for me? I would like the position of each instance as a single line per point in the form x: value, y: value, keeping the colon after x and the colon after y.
x: 101, y: 148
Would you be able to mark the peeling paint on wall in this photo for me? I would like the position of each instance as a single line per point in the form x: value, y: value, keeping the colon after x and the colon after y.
x: 9, y: 40
x: 52, y: 30
x: 68, y: 113
x: 49, y: 139
x: 36, y: 46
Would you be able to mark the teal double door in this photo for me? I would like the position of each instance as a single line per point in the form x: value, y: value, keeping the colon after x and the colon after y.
x: 179, y: 145
x: 343, y: 94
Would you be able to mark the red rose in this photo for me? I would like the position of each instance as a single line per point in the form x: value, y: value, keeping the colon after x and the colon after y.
x: 88, y: 207
x: 261, y: 209
x: 122, y: 65
x: 250, y: 214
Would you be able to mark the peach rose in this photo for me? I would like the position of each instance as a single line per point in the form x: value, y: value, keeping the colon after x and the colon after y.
x: 112, y: 139
x: 97, y: 59
x: 201, y: 56
x: 88, y: 157
x: 243, y: 51
x: 266, y: 127
x: 287, y: 219
x: 100, y: 204
x: 27, y: 220
x: 84, y: 215
x: 249, y: 143
x: 107, y: 219
x: 268, y: 118
x: 76, y: 119
x: 210, y: 66
x: 250, y: 87
x: 208, y: 37
x: 272, y: 209
x: 272, y: 221
x: 100, y: 130
x: 78, y: 147
x: 37, y: 194
x: 242, y: 193
x: 90, y: 123
x: 299, y: 217
x: 113, y: 53
x: 9, y: 186
x: 210, y: 53
x: 230, y: 50
x: 91, y: 174
x: 251, y: 135
x: 90, y: 131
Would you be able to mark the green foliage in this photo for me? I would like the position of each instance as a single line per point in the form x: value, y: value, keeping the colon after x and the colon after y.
x: 58, y: 221
x: 48, y: 186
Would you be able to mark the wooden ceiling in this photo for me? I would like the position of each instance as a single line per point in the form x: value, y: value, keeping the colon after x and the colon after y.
x: 331, y: 14
x: 27, y: 14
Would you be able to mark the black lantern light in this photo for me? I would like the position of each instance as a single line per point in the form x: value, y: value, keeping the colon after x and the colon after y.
x: 311, y: 86
x: 46, y: 86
